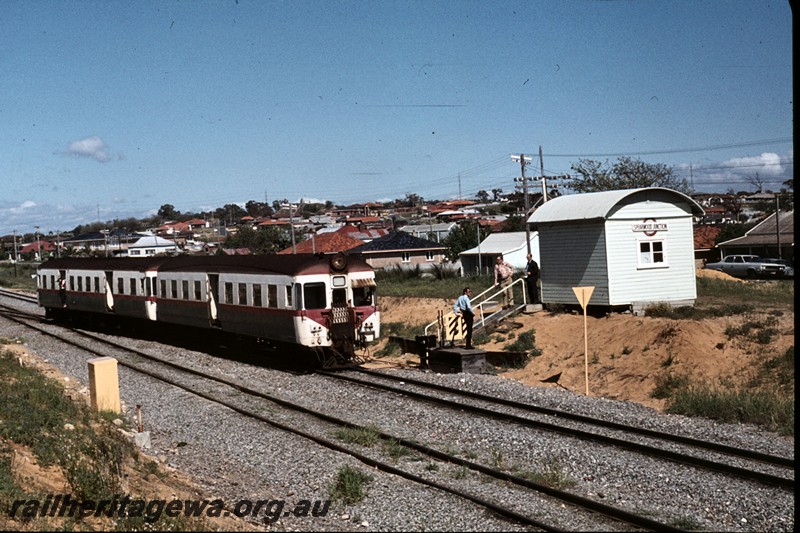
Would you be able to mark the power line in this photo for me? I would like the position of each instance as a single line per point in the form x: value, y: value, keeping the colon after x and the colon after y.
x: 780, y: 140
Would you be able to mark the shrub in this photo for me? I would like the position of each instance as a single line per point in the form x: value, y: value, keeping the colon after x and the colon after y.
x: 349, y: 485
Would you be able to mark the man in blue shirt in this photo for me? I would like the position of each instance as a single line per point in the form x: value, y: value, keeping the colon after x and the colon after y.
x: 463, y: 308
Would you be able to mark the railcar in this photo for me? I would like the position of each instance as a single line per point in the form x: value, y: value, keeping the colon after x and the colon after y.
x: 324, y: 303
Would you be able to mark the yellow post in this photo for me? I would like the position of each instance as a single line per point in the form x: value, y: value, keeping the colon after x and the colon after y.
x: 583, y: 294
x: 104, y: 384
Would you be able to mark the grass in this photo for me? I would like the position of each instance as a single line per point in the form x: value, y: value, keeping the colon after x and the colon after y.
x: 22, y: 279
x: 412, y: 283
x: 768, y: 408
x: 551, y: 474
x: 367, y: 436
x: 349, y: 485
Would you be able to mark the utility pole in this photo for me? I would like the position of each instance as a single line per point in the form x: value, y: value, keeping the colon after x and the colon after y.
x: 38, y: 244
x: 541, y: 173
x: 523, y: 160
x: 16, y: 256
x: 777, y: 223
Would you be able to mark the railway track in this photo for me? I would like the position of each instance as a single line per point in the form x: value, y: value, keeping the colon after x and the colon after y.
x: 509, y: 411
x: 492, y: 409
x: 192, y: 381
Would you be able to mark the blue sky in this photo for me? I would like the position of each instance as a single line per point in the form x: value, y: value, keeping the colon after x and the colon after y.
x: 109, y: 109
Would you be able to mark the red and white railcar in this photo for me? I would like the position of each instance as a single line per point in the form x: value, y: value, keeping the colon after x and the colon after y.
x: 322, y: 302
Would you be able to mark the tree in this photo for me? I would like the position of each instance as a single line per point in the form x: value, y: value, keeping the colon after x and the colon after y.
x: 482, y: 196
x: 514, y: 223
x: 168, y: 212
x: 257, y: 209
x: 266, y: 240
x: 496, y: 194
x: 463, y: 237
x: 626, y: 173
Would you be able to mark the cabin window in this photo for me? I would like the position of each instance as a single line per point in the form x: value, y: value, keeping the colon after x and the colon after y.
x: 272, y: 296
x: 96, y: 284
x: 174, y: 288
x: 652, y: 254
x: 133, y: 286
x: 406, y: 257
x: 53, y: 282
x: 242, y: 294
x: 185, y: 289
x: 72, y: 283
x: 148, y: 291
x: 198, y: 293
x: 88, y: 284
x: 80, y: 283
x: 314, y: 295
x: 120, y: 286
x: 362, y: 296
x: 163, y: 288
x: 228, y: 292
x: 257, y: 302
x: 288, y: 295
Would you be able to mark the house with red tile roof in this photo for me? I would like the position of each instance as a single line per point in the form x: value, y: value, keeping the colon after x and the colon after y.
x: 325, y: 243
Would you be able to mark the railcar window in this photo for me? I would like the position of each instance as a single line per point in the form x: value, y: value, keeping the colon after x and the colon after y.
x: 288, y: 296
x: 257, y: 302
x: 133, y: 286
x: 362, y: 296
x: 185, y: 289
x: 120, y: 286
x: 52, y: 282
x: 173, y: 289
x: 163, y: 288
x: 228, y: 292
x: 339, y: 298
x: 72, y: 283
x: 88, y: 284
x: 339, y: 281
x: 242, y: 294
x: 80, y: 283
x: 147, y: 287
x: 272, y: 296
x: 198, y: 295
x: 96, y: 284
x: 314, y: 296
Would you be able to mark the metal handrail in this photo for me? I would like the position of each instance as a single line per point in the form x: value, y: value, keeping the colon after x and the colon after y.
x: 480, y: 306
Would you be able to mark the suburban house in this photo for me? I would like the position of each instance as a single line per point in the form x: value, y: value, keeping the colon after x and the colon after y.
x: 634, y: 246
x: 325, y: 243
x: 436, y: 232
x: 510, y: 245
x: 773, y: 237
x: 401, y: 249
x: 152, y: 245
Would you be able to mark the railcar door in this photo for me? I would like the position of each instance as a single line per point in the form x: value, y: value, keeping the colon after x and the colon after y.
x: 107, y: 283
x: 212, y: 289
x: 150, y: 301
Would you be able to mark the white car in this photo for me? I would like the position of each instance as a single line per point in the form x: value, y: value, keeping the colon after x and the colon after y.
x: 748, y: 266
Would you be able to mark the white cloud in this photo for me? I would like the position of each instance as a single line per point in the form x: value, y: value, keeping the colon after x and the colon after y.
x: 768, y: 163
x: 92, y: 147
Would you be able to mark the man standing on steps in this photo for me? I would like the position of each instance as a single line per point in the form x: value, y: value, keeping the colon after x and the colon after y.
x: 463, y: 308
x: 502, y: 277
x: 531, y: 280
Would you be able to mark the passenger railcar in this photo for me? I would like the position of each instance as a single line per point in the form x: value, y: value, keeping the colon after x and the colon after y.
x: 325, y: 303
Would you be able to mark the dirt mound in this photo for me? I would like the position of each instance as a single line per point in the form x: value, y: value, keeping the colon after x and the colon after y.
x: 626, y: 353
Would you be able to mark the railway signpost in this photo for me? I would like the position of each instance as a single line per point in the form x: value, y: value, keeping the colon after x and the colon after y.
x: 583, y: 294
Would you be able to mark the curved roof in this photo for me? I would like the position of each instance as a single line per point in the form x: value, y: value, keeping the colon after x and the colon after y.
x: 598, y: 205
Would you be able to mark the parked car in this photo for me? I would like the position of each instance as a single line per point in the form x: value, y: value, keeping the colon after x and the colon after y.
x: 748, y: 266
x: 788, y: 266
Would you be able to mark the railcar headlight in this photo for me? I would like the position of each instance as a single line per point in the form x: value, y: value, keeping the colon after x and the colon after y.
x: 339, y: 262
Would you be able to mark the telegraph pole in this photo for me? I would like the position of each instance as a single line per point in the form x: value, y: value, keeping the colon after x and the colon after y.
x: 16, y: 256
x: 523, y: 160
x: 541, y: 173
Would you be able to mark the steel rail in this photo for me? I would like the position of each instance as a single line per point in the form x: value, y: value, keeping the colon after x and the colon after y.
x: 591, y: 505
